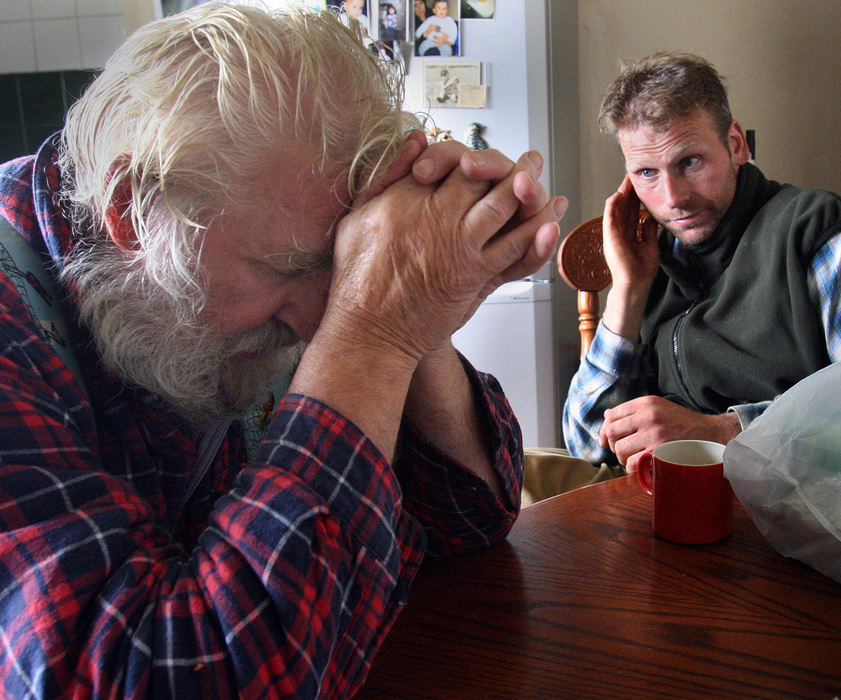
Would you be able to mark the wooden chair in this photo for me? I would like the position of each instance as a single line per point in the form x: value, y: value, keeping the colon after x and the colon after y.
x: 582, y: 265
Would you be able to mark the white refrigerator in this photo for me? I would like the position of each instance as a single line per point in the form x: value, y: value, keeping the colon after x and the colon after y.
x: 510, y: 336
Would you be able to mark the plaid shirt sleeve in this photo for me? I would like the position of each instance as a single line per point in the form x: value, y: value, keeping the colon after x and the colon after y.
x: 299, y: 575
x: 457, y: 508
x: 608, y: 375
x: 825, y: 292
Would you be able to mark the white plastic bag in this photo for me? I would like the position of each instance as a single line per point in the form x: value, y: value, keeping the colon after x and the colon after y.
x: 785, y: 468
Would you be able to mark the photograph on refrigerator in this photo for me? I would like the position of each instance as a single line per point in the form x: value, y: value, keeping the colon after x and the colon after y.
x: 355, y: 11
x: 438, y: 34
x: 443, y: 82
x: 478, y: 9
x: 392, y: 20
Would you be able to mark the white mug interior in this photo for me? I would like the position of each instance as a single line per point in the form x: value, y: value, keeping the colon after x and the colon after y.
x: 693, y: 453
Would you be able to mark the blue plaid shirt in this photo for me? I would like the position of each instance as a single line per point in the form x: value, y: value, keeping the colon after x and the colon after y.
x: 609, y: 374
x: 278, y: 577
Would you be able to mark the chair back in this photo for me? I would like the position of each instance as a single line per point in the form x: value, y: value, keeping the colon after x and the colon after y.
x: 582, y: 264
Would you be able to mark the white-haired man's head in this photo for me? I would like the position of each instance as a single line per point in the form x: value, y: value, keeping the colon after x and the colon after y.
x: 171, y: 136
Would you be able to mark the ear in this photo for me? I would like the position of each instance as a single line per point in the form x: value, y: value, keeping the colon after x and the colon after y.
x: 117, y: 221
x: 738, y: 142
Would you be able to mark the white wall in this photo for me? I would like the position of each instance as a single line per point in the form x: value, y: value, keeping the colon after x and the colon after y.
x: 56, y: 35
x: 136, y: 13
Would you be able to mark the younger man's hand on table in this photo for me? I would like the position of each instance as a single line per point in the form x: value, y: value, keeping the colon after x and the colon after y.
x: 644, y: 423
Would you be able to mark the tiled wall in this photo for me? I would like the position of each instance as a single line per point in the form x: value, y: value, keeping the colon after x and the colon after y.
x: 49, y: 50
x: 32, y: 106
x: 58, y: 35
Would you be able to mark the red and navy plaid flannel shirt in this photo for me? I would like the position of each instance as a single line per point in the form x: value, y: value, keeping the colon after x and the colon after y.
x: 279, y: 578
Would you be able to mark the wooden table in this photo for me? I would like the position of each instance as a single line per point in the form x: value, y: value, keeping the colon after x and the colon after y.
x: 583, y: 601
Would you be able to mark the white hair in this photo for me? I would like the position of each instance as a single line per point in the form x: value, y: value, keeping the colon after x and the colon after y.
x: 183, y: 115
x: 189, y: 105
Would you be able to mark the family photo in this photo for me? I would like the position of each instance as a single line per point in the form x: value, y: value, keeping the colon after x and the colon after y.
x: 437, y: 28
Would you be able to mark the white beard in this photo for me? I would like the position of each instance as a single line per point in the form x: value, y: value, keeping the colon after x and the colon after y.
x: 134, y: 323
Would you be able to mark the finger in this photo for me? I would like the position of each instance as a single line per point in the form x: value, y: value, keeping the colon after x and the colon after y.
x: 632, y: 463
x: 481, y: 172
x: 615, y: 212
x: 603, y: 440
x: 631, y: 204
x: 648, y: 230
x: 523, y: 177
x: 616, y: 425
x: 527, y: 246
x: 493, y: 168
x: 412, y: 148
x: 624, y: 193
x: 490, y: 164
x: 609, y: 215
x: 541, y: 248
x: 497, y: 208
x: 438, y: 161
x: 530, y: 193
x: 537, y: 255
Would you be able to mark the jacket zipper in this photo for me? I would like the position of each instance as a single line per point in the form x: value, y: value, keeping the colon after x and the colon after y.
x: 676, y: 345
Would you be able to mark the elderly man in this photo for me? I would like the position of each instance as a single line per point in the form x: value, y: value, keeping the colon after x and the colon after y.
x: 732, y: 301
x: 234, y: 203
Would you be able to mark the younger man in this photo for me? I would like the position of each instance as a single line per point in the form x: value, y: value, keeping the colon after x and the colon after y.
x: 735, y: 298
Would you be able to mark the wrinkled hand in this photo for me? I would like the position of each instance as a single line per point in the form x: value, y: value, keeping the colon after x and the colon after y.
x: 431, y: 165
x: 491, y: 165
x: 632, y: 262
x: 412, y: 263
x: 646, y: 422
x: 411, y: 149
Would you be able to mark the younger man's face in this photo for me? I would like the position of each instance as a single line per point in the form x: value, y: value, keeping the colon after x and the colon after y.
x: 686, y: 175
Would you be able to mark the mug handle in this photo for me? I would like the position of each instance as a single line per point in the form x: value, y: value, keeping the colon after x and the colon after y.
x: 644, y: 471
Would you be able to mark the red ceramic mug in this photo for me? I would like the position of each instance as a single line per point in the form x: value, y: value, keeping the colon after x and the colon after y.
x: 692, y: 499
